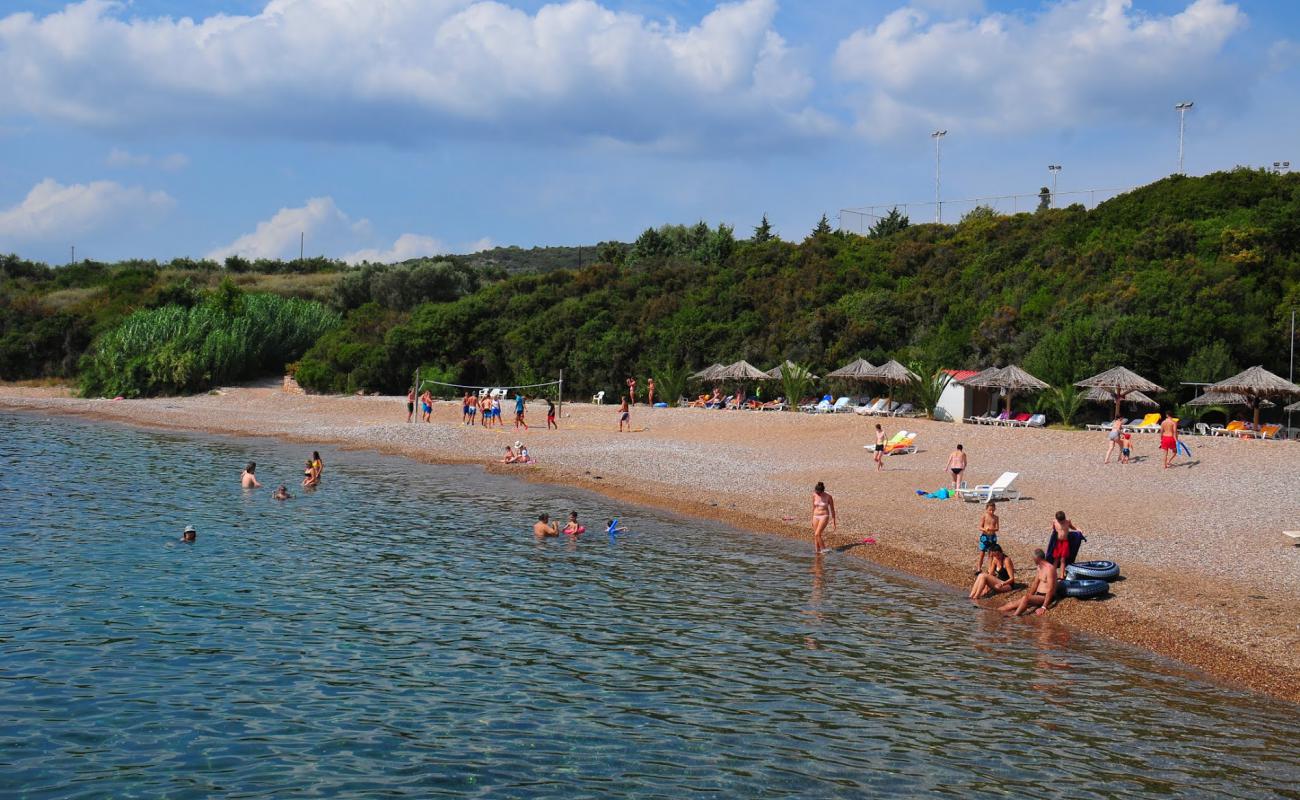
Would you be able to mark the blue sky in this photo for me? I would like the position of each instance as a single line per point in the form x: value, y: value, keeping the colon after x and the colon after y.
x: 388, y: 129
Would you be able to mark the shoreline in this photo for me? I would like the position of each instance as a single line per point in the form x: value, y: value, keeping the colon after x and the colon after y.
x: 742, y: 469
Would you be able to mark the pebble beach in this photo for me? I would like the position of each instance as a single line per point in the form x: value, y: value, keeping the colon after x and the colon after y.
x: 1208, y: 578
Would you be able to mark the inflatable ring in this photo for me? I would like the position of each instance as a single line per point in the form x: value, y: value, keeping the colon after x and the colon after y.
x: 1105, y: 570
x: 1083, y: 587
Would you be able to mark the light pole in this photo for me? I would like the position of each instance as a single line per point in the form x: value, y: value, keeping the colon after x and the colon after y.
x: 1281, y: 167
x: 938, y: 202
x: 1291, y: 373
x: 1182, y: 109
x: 1055, y: 169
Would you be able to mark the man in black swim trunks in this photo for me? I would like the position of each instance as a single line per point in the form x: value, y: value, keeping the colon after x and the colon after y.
x: 1041, y: 591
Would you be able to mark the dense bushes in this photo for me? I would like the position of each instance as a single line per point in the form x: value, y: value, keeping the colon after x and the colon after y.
x: 1182, y: 277
x: 229, y: 336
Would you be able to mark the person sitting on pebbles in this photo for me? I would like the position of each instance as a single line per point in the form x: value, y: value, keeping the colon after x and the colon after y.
x: 510, y: 457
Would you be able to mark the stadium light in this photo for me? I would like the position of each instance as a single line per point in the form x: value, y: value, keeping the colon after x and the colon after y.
x: 938, y: 201
x: 1055, y: 169
x: 1182, y: 109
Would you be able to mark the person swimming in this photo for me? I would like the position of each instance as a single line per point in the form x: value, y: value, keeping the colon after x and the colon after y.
x: 248, y: 480
x: 189, y: 534
x: 543, y: 527
x: 612, y: 527
x: 573, y: 528
x: 282, y: 493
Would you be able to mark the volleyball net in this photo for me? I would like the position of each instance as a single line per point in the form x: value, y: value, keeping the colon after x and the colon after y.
x: 549, y: 389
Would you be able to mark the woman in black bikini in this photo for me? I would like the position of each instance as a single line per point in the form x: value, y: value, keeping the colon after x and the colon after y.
x: 1000, y: 577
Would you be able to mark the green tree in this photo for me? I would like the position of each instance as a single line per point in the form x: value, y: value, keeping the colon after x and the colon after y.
x: 891, y: 223
x: 796, y: 381
x: 1044, y: 199
x: 823, y: 227
x: 1064, y: 402
x: 762, y: 232
x: 927, y: 386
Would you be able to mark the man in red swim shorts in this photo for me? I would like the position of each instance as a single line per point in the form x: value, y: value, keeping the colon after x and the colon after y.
x: 1169, y: 438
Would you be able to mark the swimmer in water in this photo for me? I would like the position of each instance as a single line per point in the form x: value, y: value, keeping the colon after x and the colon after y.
x: 573, y: 528
x: 612, y: 527
x: 247, y: 479
x: 189, y: 535
x: 282, y: 493
x: 543, y: 527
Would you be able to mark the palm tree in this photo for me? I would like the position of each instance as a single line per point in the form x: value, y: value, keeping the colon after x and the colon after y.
x: 927, y: 386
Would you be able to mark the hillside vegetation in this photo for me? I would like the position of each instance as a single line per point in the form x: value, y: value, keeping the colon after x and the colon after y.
x: 1185, y: 279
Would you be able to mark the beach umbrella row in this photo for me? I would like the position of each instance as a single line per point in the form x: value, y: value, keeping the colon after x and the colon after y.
x: 1256, y: 385
x: 778, y: 372
x: 1104, y: 396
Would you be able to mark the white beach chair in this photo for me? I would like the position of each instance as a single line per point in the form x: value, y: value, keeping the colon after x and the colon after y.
x: 880, y: 404
x: 841, y: 404
x: 901, y: 409
x: 1036, y: 421
x: 821, y: 407
x: 998, y: 490
x: 599, y: 397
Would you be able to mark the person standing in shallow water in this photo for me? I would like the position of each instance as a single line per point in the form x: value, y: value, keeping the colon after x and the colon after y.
x: 823, y: 514
x: 248, y: 480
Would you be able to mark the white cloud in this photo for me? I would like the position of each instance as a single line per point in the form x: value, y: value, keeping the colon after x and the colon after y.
x: 1074, y: 61
x: 52, y: 209
x: 278, y: 237
x: 117, y: 157
x: 408, y: 245
x: 329, y: 230
x: 403, y: 70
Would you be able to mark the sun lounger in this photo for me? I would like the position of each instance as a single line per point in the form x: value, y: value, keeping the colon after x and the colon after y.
x: 1234, y: 429
x: 841, y: 405
x: 978, y: 420
x: 902, y: 409
x: 821, y: 408
x: 1269, y: 431
x: 1001, y: 489
x: 876, y: 406
x: 1036, y: 421
x: 902, y: 444
x: 1019, y: 420
x: 1148, y: 424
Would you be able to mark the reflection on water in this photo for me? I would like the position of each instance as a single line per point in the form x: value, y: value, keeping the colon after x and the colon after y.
x: 400, y: 632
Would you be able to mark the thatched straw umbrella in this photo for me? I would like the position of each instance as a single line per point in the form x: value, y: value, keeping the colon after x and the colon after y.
x: 1011, y: 379
x: 1120, y: 382
x: 778, y: 372
x: 1225, y: 399
x: 1257, y: 385
x: 741, y: 371
x: 707, y: 373
x: 894, y: 374
x: 1135, y: 397
x: 1293, y: 407
x: 859, y: 369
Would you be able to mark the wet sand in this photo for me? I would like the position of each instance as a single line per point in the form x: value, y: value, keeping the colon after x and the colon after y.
x: 1208, y: 578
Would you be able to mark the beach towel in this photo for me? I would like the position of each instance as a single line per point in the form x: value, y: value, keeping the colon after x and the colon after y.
x: 1076, y: 541
x: 942, y: 494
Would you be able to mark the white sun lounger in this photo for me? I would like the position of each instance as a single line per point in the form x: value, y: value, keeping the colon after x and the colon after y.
x: 998, y: 490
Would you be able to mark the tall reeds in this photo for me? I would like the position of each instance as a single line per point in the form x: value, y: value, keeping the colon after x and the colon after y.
x: 228, y: 337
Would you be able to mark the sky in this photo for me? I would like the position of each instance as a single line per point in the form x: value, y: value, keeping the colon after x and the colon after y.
x: 391, y: 129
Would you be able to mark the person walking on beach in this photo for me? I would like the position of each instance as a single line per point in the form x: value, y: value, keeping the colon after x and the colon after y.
x: 650, y: 392
x: 484, y: 411
x: 1113, y: 436
x: 879, y: 454
x: 519, y: 411
x: 957, y: 465
x: 466, y: 417
x: 1169, y: 438
x: 426, y: 405
x: 823, y: 514
x: 1041, y: 591
x: 496, y: 412
x: 989, y: 526
x: 550, y: 415
x: 410, y: 404
x: 631, y: 390
x: 248, y: 480
x: 624, y: 415
x: 1125, y: 446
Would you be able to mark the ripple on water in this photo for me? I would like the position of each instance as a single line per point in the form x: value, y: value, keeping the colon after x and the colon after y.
x: 399, y: 632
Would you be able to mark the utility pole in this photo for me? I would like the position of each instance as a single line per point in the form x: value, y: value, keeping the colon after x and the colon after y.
x: 938, y: 200
x: 1291, y: 373
x: 72, y: 260
x: 302, y: 242
x: 1055, y: 169
x: 1182, y: 109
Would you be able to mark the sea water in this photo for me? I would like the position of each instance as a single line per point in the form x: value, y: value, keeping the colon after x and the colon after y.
x: 400, y: 633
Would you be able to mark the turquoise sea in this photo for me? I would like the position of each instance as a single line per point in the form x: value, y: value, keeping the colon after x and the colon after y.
x: 399, y: 633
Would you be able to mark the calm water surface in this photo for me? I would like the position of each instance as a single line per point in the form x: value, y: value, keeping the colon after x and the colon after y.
x: 399, y: 634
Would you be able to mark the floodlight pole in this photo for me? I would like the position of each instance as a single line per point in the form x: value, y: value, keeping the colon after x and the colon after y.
x: 1182, y: 109
x: 1055, y: 169
x: 1291, y: 372
x: 938, y: 201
